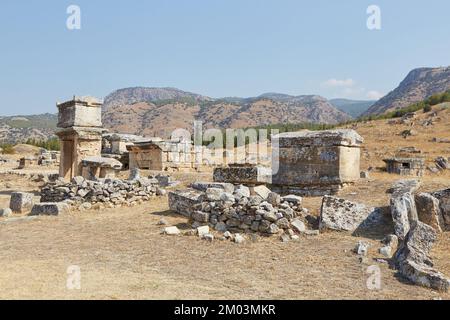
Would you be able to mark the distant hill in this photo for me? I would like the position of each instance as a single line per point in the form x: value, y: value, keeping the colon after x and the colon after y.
x: 419, y: 85
x: 355, y: 108
x: 158, y: 111
x: 16, y: 129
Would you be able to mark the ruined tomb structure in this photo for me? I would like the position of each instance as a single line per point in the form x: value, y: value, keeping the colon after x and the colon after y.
x: 405, y: 166
x: 80, y: 133
x: 315, y: 163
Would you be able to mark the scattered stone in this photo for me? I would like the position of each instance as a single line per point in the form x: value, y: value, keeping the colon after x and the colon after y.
x: 295, y: 237
x: 274, y: 199
x: 221, y: 227
x: 285, y: 238
x: 243, y: 173
x: 261, y: 191
x: 343, y: 215
x: 201, y: 231
x: 6, y: 212
x: 160, y: 192
x: 391, y: 241
x: 238, y: 238
x: 444, y: 204
x: 311, y: 232
x: 172, y: 231
x: 362, y: 248
x: 21, y: 202
x: 208, y: 236
x: 163, y: 222
x: 49, y: 209
x: 228, y: 235
x: 365, y: 175
x: 85, y: 206
x: 298, y: 225
x: 386, y: 251
x: 403, y: 206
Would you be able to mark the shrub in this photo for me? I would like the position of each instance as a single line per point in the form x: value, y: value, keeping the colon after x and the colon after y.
x: 7, y: 148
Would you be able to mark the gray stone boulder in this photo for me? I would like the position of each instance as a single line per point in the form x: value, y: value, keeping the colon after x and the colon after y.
x: 49, y: 209
x: 21, y: 202
x: 444, y: 204
x: 261, y: 191
x: 6, y: 212
x: 412, y: 258
x: 343, y: 215
x: 428, y: 211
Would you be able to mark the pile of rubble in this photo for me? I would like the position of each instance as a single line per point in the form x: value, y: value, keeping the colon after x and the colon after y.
x: 110, y: 192
x: 241, y: 209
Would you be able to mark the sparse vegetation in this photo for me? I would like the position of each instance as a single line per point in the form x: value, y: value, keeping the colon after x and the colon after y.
x: 7, y: 148
x: 50, y: 144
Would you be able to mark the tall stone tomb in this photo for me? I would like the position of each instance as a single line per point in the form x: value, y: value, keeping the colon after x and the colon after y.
x: 80, y: 133
x: 314, y: 163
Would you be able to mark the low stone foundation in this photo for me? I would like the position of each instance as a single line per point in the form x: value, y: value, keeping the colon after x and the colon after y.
x: 240, y: 212
x: 112, y: 192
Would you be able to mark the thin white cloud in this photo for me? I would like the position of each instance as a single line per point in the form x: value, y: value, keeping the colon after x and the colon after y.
x: 335, y: 83
x: 374, y: 95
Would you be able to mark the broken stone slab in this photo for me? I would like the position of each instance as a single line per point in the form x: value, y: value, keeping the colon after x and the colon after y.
x: 238, y: 238
x: 21, y: 202
x: 135, y: 174
x: 428, y: 211
x: 203, y: 230
x: 405, y: 186
x: 185, y: 201
x: 203, y: 186
x: 172, y: 231
x: 444, y: 204
x: 49, y: 209
x: 412, y: 258
x: 241, y: 191
x: 297, y: 200
x: 246, y: 174
x: 343, y: 215
x: 261, y: 191
x: 404, y: 212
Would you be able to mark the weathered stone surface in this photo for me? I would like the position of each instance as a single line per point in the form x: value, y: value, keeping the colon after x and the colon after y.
x: 293, y: 199
x: 403, y: 206
x: 245, y: 174
x: 6, y: 212
x: 135, y: 174
x: 238, y: 238
x: 184, y: 201
x: 428, y: 210
x: 261, y: 191
x: 201, y: 231
x: 315, y: 161
x: 274, y: 199
x: 172, y: 231
x: 199, y: 216
x: 49, y: 209
x: 21, y: 202
x: 412, y: 258
x: 208, y: 237
x: 203, y: 186
x: 444, y: 204
x: 343, y: 215
x: 362, y: 248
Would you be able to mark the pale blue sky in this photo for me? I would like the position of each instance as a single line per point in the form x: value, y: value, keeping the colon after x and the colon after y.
x: 213, y: 47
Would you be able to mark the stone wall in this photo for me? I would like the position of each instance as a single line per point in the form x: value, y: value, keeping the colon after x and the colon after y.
x: 111, y: 192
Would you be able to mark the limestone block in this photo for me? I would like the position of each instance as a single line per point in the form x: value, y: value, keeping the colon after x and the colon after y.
x: 21, y: 202
x: 49, y: 209
x: 184, y: 201
x: 343, y: 215
x: 252, y: 175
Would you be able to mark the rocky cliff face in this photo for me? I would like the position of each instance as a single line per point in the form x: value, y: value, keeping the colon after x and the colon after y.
x: 419, y: 85
x: 143, y: 112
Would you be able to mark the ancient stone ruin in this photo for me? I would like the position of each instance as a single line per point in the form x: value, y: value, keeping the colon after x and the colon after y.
x: 405, y: 166
x: 80, y: 133
x: 315, y: 163
x: 247, y: 174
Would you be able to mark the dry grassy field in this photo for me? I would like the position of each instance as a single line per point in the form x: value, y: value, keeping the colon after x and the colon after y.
x: 122, y: 254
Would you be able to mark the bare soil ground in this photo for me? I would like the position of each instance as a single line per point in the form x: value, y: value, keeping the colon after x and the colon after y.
x: 122, y: 254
